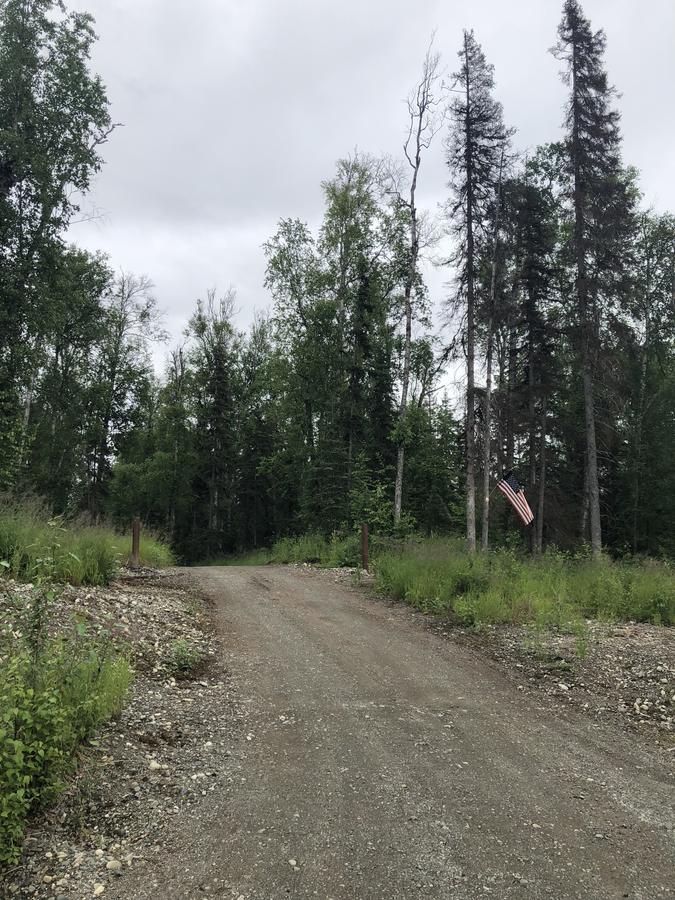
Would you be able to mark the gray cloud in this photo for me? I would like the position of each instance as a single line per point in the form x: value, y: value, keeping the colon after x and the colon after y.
x: 235, y: 110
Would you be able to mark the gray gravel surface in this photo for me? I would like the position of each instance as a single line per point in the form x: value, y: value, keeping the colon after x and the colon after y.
x: 381, y: 760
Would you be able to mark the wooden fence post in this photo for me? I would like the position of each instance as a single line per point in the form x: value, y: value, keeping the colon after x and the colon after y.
x: 136, y: 543
x: 365, y: 560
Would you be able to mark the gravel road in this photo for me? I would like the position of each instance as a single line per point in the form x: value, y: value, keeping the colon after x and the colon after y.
x: 383, y: 761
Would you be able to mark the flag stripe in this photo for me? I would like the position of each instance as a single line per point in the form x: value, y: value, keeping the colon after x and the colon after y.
x: 518, y: 501
x: 518, y: 492
x: 514, y: 493
x: 511, y: 498
x: 516, y: 498
x: 521, y: 514
x: 522, y: 499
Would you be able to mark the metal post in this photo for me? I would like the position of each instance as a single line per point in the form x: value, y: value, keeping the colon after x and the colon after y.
x: 365, y: 561
x: 136, y: 543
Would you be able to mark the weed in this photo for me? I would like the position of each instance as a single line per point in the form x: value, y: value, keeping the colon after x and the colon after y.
x: 582, y: 639
x: 182, y: 658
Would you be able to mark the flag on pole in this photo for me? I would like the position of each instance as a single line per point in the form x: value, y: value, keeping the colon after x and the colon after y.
x: 516, y: 496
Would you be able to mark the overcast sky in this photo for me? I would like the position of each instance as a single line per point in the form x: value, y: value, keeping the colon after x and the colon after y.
x: 235, y: 110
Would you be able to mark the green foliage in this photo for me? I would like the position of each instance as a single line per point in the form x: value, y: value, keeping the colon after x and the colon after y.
x: 34, y: 547
x: 260, y: 557
x: 341, y: 550
x: 182, y: 658
x: 53, y: 120
x: 309, y: 548
x: 554, y: 590
x: 292, y: 428
x: 54, y: 692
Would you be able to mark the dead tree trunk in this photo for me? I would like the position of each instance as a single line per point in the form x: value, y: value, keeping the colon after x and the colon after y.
x: 539, y: 522
x: 487, y: 415
x: 422, y: 127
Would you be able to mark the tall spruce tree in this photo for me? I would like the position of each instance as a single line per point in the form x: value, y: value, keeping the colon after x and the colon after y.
x: 474, y: 149
x: 216, y: 361
x: 602, y: 210
x: 531, y: 229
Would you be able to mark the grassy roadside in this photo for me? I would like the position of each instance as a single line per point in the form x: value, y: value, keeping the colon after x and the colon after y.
x: 32, y: 546
x: 501, y: 586
x: 313, y: 548
x: 59, y: 680
x: 437, y: 576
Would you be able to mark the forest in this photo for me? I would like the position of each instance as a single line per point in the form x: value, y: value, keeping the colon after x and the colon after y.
x: 338, y: 405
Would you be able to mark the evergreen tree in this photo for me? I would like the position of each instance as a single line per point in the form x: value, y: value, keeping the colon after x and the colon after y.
x: 474, y: 151
x: 216, y: 360
x: 602, y: 210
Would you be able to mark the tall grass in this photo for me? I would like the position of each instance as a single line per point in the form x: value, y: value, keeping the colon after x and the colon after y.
x: 336, y: 551
x: 32, y: 546
x: 501, y: 586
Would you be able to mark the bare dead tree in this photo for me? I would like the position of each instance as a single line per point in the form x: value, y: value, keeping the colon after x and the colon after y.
x: 424, y: 121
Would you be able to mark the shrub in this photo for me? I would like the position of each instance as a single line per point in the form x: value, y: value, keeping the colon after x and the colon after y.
x: 344, y: 551
x: 54, y: 691
x: 183, y: 658
x: 438, y: 576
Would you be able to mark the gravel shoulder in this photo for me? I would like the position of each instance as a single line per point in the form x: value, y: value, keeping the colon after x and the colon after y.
x: 338, y: 746
x: 150, y: 768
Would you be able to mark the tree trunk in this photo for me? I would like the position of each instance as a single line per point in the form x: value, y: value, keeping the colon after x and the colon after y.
x: 27, y: 407
x: 539, y: 523
x: 501, y: 418
x: 510, y: 390
x: 587, y: 328
x: 592, y: 460
x: 583, y: 526
x: 470, y: 326
x: 532, y: 417
x: 405, y: 383
x: 420, y: 133
x: 485, y: 533
x: 637, y: 467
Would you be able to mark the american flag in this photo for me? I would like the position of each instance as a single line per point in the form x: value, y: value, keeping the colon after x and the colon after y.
x: 516, y: 496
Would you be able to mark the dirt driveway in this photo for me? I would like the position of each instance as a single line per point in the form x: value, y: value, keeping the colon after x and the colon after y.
x: 382, y: 761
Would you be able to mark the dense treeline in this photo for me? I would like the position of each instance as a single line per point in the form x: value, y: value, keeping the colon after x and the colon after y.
x: 333, y: 407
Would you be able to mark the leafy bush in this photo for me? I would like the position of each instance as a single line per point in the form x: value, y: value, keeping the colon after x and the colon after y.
x: 32, y: 546
x: 54, y: 691
x: 183, y: 658
x: 502, y: 586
